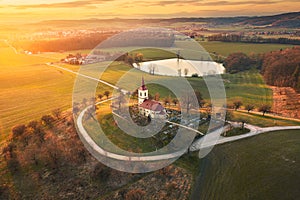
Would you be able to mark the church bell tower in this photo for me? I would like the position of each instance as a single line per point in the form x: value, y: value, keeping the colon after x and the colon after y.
x: 142, y: 92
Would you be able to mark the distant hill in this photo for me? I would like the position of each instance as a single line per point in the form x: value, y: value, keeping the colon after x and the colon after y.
x: 286, y: 20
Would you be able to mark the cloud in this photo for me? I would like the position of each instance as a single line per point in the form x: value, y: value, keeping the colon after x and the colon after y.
x: 234, y: 3
x: 70, y: 4
x: 197, y: 3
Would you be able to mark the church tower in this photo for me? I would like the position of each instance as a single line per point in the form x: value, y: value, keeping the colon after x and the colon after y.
x: 142, y: 92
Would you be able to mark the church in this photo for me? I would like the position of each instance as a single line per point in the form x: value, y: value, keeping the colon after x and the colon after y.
x: 148, y: 107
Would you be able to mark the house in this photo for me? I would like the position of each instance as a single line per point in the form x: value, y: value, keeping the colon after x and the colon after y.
x: 148, y: 107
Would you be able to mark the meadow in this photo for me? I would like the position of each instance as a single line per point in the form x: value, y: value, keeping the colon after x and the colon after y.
x: 262, y: 121
x: 239, y: 170
x: 226, y: 48
x: 30, y: 89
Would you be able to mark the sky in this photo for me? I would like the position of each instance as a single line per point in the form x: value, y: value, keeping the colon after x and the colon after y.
x: 37, y: 10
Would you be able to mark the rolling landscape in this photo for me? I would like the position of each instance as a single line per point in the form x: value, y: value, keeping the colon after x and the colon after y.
x: 62, y: 139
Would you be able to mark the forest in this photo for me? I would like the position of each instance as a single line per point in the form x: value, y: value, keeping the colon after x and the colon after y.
x: 279, y: 68
x: 62, y: 44
x: 282, y: 68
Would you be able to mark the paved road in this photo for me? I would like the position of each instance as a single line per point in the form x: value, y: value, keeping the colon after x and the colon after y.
x: 254, y: 130
x: 196, y: 145
x: 88, y: 140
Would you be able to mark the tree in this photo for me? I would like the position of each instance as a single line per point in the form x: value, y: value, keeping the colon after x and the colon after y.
x: 139, y: 57
x: 156, y: 96
x: 135, y: 194
x: 107, y: 93
x: 237, y: 62
x: 243, y: 121
x: 167, y: 100
x: 18, y: 130
x: 57, y: 113
x: 228, y: 116
x: 175, y: 101
x: 264, y: 109
x: 186, y: 71
x: 100, y: 96
x: 152, y: 69
x: 237, y: 104
x: 249, y: 107
x: 47, y: 120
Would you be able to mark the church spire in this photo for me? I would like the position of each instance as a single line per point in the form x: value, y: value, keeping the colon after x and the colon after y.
x: 143, y: 87
x: 143, y: 82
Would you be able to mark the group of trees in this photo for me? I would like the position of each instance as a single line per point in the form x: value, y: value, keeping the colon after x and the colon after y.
x: 106, y: 94
x: 39, y: 144
x: 237, y: 104
x: 237, y: 62
x: 253, y: 39
x: 62, y: 44
x: 282, y: 68
x: 279, y: 68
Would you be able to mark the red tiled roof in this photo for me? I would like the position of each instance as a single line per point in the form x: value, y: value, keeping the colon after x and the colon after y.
x: 152, y: 105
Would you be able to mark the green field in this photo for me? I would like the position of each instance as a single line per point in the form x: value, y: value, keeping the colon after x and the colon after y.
x: 262, y: 121
x: 248, y: 87
x: 30, y: 89
x: 226, y: 48
x: 262, y: 167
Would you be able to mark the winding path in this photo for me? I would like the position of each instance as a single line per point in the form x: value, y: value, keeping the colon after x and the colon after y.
x: 254, y: 130
x: 195, y: 146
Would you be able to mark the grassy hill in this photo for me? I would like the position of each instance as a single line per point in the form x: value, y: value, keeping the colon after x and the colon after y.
x: 263, y: 167
x: 226, y: 48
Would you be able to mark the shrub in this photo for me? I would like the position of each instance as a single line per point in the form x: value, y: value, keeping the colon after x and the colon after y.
x: 135, y: 194
x: 18, y: 130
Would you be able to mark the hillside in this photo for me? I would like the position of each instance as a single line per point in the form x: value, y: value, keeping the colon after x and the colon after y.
x: 285, y: 20
x: 45, y: 159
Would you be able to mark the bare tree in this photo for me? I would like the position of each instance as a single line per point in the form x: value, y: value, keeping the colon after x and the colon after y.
x: 57, y: 113
x: 186, y: 71
x: 175, y: 101
x: 107, y: 93
x: 100, y: 96
x: 237, y: 104
x: 167, y: 100
x: 156, y: 96
x: 264, y: 109
x: 249, y: 107
x: 18, y: 130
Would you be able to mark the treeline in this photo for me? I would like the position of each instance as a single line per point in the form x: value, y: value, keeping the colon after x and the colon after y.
x: 279, y: 68
x: 237, y: 62
x: 254, y: 39
x: 282, y: 68
x: 64, y: 44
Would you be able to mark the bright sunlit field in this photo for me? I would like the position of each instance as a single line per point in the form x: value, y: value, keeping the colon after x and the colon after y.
x: 30, y: 89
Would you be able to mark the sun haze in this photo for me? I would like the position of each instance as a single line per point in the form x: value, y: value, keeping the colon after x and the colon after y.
x: 31, y: 11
